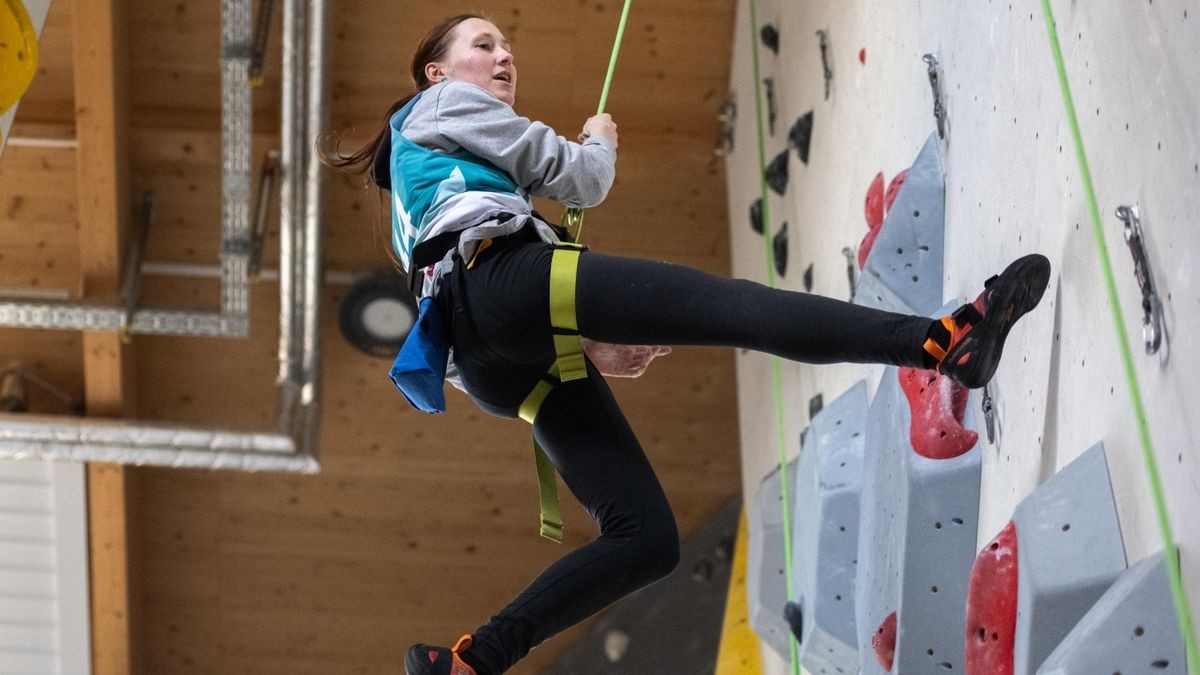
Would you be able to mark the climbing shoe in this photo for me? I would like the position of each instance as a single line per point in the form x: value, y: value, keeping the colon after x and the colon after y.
x: 977, y: 330
x: 427, y: 660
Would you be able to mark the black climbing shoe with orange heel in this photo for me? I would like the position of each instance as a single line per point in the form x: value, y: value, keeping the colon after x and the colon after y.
x: 978, y: 330
x: 427, y: 660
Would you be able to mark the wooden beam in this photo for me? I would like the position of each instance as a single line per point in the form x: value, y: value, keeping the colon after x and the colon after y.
x: 103, y: 169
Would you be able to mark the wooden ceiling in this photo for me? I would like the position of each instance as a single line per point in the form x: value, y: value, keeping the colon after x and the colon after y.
x: 417, y: 528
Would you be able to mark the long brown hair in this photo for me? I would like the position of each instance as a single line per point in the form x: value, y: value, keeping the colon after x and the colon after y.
x: 433, y: 47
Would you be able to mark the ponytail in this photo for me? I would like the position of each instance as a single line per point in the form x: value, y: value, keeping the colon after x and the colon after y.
x: 433, y: 47
x: 374, y: 156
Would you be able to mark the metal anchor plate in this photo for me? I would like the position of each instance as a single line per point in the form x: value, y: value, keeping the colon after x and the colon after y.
x: 1151, y: 306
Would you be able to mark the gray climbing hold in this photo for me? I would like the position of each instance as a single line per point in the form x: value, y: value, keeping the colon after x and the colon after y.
x: 1132, y: 628
x: 916, y: 540
x: 1069, y: 551
x: 903, y: 273
x: 825, y: 545
x: 766, y: 583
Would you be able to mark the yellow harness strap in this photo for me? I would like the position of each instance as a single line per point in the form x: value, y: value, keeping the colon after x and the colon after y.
x: 569, y: 364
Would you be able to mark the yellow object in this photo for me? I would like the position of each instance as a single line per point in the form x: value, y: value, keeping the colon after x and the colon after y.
x: 572, y: 219
x: 18, y: 53
x: 568, y: 365
x: 738, y: 654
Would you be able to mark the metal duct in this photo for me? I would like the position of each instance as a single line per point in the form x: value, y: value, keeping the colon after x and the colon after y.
x: 317, y: 121
x: 290, y: 196
x: 100, y: 440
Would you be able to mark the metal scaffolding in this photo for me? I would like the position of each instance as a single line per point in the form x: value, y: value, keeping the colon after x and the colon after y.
x: 291, y: 446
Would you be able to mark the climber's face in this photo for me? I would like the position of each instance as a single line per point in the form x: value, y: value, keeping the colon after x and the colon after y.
x: 479, y: 54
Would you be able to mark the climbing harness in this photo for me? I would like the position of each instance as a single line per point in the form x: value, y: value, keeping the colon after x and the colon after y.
x: 569, y: 364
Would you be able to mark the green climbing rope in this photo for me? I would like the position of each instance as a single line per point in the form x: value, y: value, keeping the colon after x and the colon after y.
x: 573, y: 217
x: 776, y: 379
x: 1139, y: 410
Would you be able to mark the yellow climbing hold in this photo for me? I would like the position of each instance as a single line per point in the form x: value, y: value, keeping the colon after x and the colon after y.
x: 18, y: 53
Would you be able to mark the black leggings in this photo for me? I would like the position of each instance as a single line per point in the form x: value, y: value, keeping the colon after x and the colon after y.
x: 500, y: 331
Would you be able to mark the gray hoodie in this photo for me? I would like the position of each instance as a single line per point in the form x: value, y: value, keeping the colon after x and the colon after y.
x: 454, y: 115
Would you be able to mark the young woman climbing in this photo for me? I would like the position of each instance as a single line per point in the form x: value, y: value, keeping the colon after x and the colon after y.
x: 460, y: 165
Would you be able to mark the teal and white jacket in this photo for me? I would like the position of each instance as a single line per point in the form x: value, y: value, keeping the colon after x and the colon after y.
x: 460, y: 157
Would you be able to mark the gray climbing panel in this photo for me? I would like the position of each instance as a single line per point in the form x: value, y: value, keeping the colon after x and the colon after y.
x: 903, y: 273
x: 825, y: 545
x: 1069, y: 551
x: 916, y: 540
x: 766, y: 583
x: 1132, y: 628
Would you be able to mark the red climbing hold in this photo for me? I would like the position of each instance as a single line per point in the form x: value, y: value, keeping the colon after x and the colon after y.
x: 862, y: 56
x: 884, y: 642
x: 864, y: 249
x: 894, y: 189
x: 992, y: 607
x: 873, y: 210
x: 874, y: 203
x: 937, y: 405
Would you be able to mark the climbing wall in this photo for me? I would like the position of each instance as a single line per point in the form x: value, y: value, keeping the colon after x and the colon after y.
x: 1012, y: 186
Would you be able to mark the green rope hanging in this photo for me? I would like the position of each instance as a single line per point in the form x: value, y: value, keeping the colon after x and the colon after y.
x: 572, y: 218
x: 1135, y: 393
x: 776, y: 378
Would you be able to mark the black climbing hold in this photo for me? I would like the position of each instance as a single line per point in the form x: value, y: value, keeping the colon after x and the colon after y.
x: 756, y: 216
x: 794, y: 616
x: 769, y: 85
x: 777, y: 173
x: 815, y: 404
x: 808, y: 281
x: 770, y: 37
x: 800, y: 135
x: 781, y: 247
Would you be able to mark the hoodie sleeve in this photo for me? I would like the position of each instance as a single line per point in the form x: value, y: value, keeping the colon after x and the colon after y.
x: 538, y: 159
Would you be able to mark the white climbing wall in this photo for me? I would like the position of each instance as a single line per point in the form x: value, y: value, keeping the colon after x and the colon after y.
x: 1012, y: 187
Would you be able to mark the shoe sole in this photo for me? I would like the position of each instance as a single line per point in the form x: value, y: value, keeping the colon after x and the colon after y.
x: 1014, y: 293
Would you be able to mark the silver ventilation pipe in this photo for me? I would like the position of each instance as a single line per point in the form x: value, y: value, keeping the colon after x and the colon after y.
x: 314, y: 200
x: 100, y: 440
x: 291, y: 195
